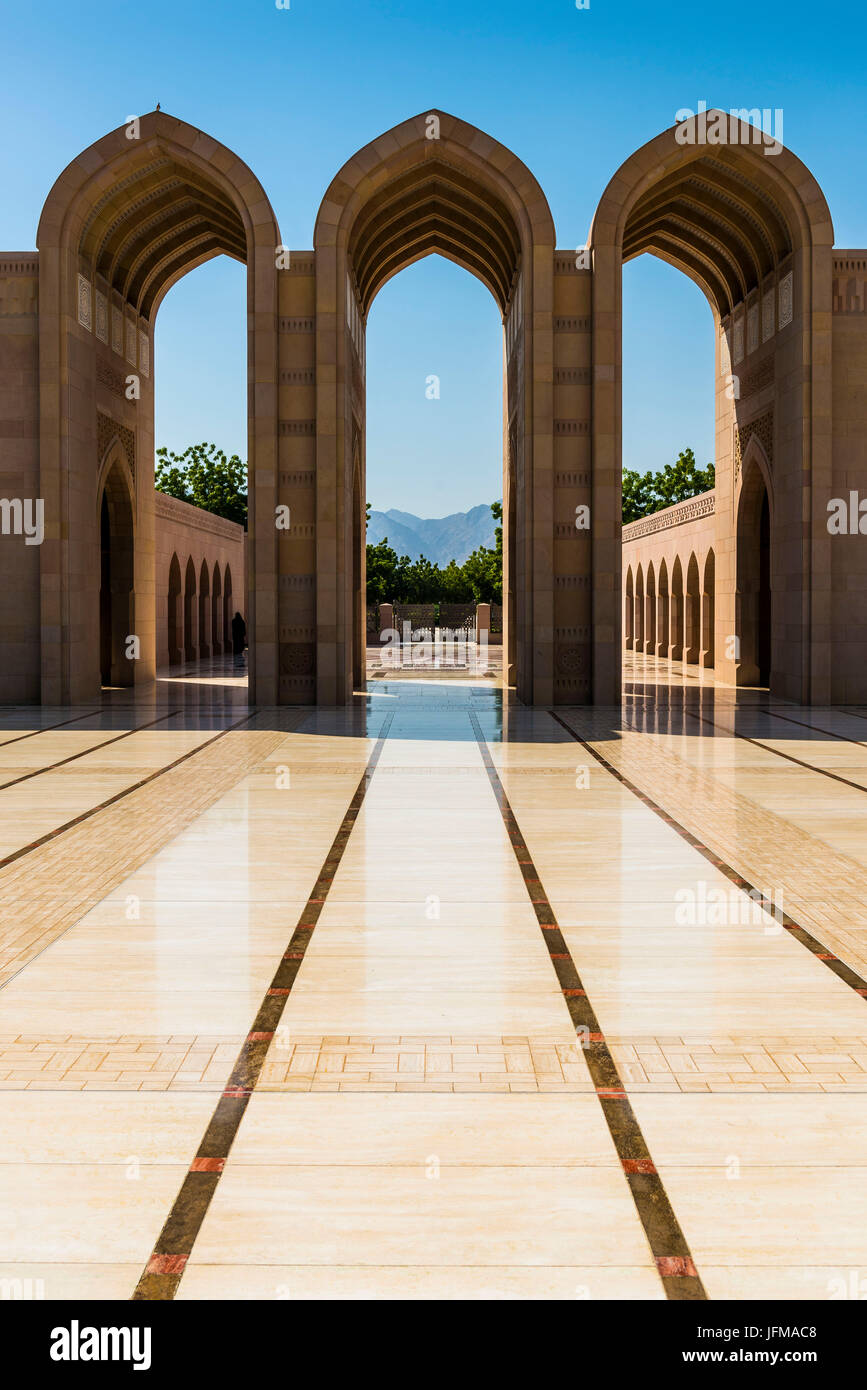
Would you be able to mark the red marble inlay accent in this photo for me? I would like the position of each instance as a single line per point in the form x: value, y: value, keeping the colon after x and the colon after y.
x: 293, y: 955
x: 559, y: 955
x: 825, y: 955
x: 610, y: 1091
x: 638, y: 1165
x: 575, y: 991
x: 259, y: 1037
x: 167, y: 1264
x: 862, y: 991
x: 677, y: 1265
x: 278, y: 991
x: 207, y: 1165
x: 595, y: 1037
x: 235, y: 1091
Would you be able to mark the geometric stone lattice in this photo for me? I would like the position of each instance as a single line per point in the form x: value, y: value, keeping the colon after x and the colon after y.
x: 106, y: 430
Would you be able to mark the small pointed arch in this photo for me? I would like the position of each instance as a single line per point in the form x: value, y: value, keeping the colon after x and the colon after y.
x: 228, y: 607
x: 675, y: 646
x: 175, y: 612
x: 204, y: 611
x: 639, y: 610
x: 629, y: 610
x: 692, y: 607
x: 650, y: 612
x: 663, y: 612
x: 190, y: 612
x: 217, y: 611
x: 116, y: 523
x: 708, y: 610
x: 754, y: 565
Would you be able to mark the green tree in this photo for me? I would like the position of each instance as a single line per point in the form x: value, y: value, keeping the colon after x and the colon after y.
x: 644, y: 493
x: 479, y: 578
x: 381, y: 569
x: 204, y: 476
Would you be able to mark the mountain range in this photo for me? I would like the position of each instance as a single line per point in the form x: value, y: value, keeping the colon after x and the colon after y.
x: 440, y: 539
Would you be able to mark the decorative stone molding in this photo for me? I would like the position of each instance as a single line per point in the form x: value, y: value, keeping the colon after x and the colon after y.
x: 762, y: 375
x: 101, y: 317
x: 288, y: 325
x: 763, y: 428
x: 297, y: 658
x: 785, y: 294
x: 107, y: 376
x: 753, y: 327
x: 572, y: 325
x: 572, y: 427
x: 144, y: 353
x: 130, y: 341
x: 297, y: 376
x: 691, y: 510
x: 768, y: 315
x: 738, y: 340
x: 572, y: 376
x: 107, y: 430
x: 304, y: 478
x: 850, y: 284
x: 116, y: 330
x: 306, y: 428
x: 571, y: 479
x: 186, y: 514
x: 85, y: 312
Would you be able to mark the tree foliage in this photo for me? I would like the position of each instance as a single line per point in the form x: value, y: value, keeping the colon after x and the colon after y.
x: 204, y: 476
x: 394, y: 579
x: 644, y: 493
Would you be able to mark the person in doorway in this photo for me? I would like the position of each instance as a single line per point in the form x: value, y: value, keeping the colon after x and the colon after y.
x: 239, y: 639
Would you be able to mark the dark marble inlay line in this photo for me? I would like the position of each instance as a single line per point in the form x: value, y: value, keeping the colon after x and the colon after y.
x: 164, y: 1270
x: 674, y: 1263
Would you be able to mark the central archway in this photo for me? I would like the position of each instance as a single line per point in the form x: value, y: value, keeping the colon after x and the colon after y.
x: 433, y: 185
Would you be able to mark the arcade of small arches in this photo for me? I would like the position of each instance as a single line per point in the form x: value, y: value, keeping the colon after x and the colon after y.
x: 748, y: 581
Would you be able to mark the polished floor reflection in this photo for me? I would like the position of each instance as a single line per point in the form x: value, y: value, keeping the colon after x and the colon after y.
x: 433, y: 997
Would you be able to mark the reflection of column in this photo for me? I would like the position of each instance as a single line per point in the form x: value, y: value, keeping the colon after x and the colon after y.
x: 628, y: 606
x: 639, y: 622
x: 483, y: 621
x: 675, y: 649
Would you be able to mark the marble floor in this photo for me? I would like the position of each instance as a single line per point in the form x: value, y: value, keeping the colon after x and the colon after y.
x: 434, y: 997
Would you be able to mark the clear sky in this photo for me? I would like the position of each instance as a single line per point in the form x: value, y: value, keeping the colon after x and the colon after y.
x: 296, y: 91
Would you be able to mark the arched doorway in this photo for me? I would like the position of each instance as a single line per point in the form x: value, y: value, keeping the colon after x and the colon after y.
x: 191, y: 643
x: 435, y: 185
x: 675, y: 650
x: 116, y: 579
x: 228, y: 611
x: 175, y: 613
x: 204, y: 612
x: 662, y: 621
x: 650, y: 613
x: 708, y: 610
x: 639, y: 610
x: 693, y: 614
x: 755, y: 601
x: 628, y: 612
x: 124, y: 221
x: 217, y: 613
x: 755, y: 234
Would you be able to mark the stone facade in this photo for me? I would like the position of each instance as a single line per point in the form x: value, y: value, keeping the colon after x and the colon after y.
x: 200, y: 568
x: 135, y: 212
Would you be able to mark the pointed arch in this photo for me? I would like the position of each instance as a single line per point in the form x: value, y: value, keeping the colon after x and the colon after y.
x: 662, y: 612
x: 175, y: 612
x: 204, y: 612
x: 191, y: 642
x: 675, y: 648
x: 708, y: 609
x: 692, y: 607
x: 650, y: 611
x: 755, y: 600
x: 117, y: 569
x: 433, y: 184
x: 751, y: 228
x: 217, y: 612
x: 122, y: 223
x: 629, y: 610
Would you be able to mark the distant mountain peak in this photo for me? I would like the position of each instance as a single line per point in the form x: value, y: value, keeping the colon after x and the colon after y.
x: 440, y: 539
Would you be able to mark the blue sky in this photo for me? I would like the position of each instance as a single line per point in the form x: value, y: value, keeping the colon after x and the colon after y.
x: 296, y: 91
